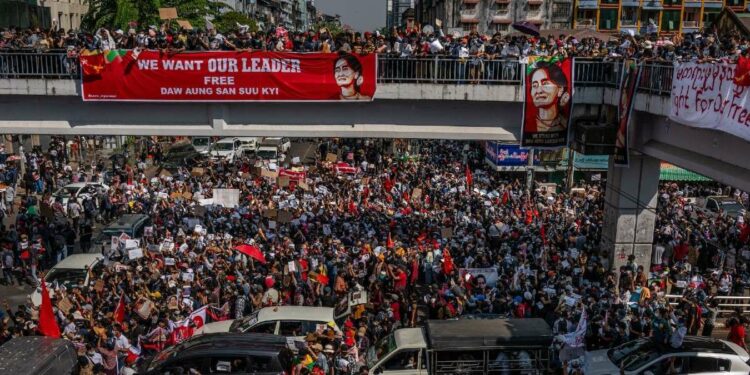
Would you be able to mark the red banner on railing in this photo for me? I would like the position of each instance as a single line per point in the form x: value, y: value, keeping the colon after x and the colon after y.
x: 227, y: 76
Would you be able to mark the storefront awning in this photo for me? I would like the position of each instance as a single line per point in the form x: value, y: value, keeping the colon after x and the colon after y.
x: 671, y: 172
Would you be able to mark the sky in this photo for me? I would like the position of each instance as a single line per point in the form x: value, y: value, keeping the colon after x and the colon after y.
x: 362, y: 15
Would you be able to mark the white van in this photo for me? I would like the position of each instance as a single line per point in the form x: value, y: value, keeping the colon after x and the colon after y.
x: 201, y: 144
x: 68, y: 273
x: 231, y: 148
x: 290, y: 321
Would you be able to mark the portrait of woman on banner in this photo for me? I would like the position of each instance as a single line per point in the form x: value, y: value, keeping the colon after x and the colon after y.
x: 550, y: 95
x: 348, y: 73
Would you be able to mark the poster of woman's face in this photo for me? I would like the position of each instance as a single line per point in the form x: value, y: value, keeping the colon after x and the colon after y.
x: 348, y: 74
x: 548, y: 102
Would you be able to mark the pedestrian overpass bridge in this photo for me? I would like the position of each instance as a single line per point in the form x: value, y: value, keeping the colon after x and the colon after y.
x: 411, y: 104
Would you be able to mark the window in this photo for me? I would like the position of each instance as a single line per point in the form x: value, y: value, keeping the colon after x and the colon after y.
x: 470, y: 7
x: 629, y: 16
x: 403, y: 360
x: 670, y: 20
x: 467, y: 27
x: 227, y: 365
x: 265, y: 327
x: 699, y: 365
x: 502, y: 9
x: 501, y: 27
x: 608, y: 19
x: 560, y: 10
x: 291, y: 328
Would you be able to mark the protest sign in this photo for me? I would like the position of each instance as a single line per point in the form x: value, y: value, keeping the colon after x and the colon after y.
x: 331, y: 157
x: 706, y: 96
x: 135, y: 254
x: 489, y: 274
x: 168, y: 13
x: 270, y: 213
x: 226, y: 197
x: 284, y: 216
x: 548, y: 101
x: 631, y: 74
x: 191, y: 77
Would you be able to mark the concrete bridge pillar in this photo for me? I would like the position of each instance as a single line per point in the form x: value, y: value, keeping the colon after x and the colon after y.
x: 630, y: 211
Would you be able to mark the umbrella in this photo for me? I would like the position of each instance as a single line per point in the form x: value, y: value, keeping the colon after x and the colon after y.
x: 527, y: 27
x: 251, y: 251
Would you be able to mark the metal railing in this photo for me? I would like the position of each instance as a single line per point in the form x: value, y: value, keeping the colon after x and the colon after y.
x: 727, y: 305
x: 656, y: 77
x: 448, y: 70
x: 31, y: 64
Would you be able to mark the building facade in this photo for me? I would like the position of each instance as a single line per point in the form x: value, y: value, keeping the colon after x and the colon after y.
x: 67, y: 13
x: 295, y: 15
x: 492, y: 16
x: 395, y: 11
x: 651, y: 16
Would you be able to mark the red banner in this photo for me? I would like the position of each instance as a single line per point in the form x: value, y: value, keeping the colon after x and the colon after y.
x: 227, y: 76
x: 549, y: 94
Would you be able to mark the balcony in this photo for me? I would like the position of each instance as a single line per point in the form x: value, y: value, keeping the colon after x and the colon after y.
x: 502, y: 1
x: 586, y: 24
x: 628, y: 23
x: 471, y: 2
x: 473, y: 18
x: 534, y: 14
x: 535, y: 2
x: 715, y: 4
x: 652, y: 4
x: 689, y: 24
x: 502, y: 16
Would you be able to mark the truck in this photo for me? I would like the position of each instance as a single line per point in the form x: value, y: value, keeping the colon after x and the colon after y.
x: 712, y: 206
x: 482, y: 346
x: 38, y: 355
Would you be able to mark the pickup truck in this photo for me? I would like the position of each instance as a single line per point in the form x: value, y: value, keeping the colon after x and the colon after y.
x: 482, y: 346
x: 712, y: 206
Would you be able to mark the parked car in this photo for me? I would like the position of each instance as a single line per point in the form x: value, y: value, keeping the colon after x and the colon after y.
x: 282, y: 143
x: 223, y: 353
x: 201, y: 144
x: 294, y: 321
x: 698, y: 355
x: 77, y: 191
x: 231, y: 148
x: 38, y: 355
x: 70, y: 272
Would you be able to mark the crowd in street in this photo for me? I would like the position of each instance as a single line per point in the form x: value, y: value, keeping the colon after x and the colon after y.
x: 404, y: 224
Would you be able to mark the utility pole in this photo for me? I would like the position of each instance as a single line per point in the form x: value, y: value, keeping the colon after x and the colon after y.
x: 530, y: 171
x: 571, y: 171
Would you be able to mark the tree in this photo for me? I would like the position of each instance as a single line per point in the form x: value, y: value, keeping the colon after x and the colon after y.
x: 333, y: 27
x: 228, y: 21
x: 109, y: 14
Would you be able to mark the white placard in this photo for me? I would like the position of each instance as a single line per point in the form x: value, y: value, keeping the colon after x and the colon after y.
x: 135, y: 254
x: 132, y: 244
x: 226, y: 197
x: 169, y: 261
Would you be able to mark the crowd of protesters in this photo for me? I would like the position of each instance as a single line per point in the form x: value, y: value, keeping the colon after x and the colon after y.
x: 474, y: 49
x: 399, y: 224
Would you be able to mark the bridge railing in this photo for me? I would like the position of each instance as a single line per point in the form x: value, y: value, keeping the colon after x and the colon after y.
x: 727, y: 305
x: 31, y: 64
x: 656, y: 77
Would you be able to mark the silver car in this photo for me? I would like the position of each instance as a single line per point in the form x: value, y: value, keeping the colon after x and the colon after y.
x: 698, y: 355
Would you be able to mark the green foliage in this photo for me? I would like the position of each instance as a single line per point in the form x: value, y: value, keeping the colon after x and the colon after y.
x: 228, y: 21
x: 334, y: 28
x: 118, y: 13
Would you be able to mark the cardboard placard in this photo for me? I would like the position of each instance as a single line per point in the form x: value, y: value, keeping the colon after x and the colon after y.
x: 331, y: 157
x: 99, y: 286
x: 304, y: 186
x: 256, y: 171
x: 270, y: 213
x: 197, y: 172
x: 187, y: 195
x: 165, y: 173
x: 185, y: 24
x: 283, y: 181
x: 416, y: 194
x: 284, y: 216
x: 446, y: 233
x: 269, y: 174
x: 65, y: 305
x: 168, y: 13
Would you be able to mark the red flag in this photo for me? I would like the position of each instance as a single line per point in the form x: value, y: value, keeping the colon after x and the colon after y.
x: 389, y: 244
x: 544, y: 234
x: 323, y: 279
x: 506, y: 196
x: 529, y: 217
x: 119, y: 315
x: 352, y: 207
x: 447, y: 262
x: 742, y: 71
x: 469, y: 179
x: 388, y: 184
x: 47, y: 322
x: 252, y: 251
